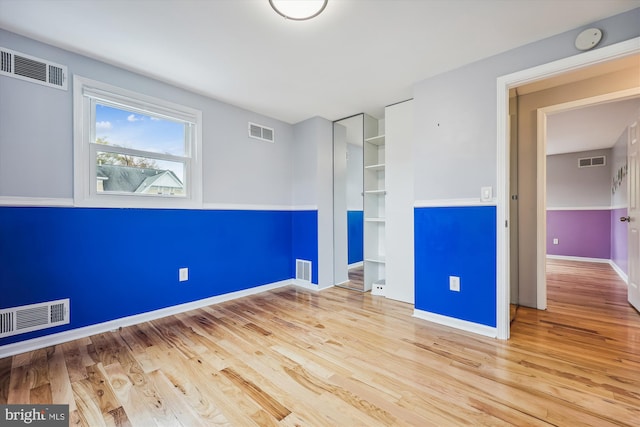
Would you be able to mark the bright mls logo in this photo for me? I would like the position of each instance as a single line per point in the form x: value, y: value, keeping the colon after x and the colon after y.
x: 36, y: 415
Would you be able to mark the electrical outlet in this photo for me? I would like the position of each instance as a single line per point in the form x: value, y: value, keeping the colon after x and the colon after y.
x: 555, y: 240
x: 454, y: 283
x: 183, y: 274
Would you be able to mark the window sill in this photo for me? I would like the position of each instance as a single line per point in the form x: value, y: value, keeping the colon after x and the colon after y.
x: 129, y: 202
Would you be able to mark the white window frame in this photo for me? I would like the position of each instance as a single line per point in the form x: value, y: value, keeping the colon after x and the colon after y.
x: 84, y: 150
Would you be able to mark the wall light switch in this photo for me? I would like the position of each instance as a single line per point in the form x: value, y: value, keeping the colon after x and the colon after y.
x: 183, y: 274
x: 486, y: 194
x: 454, y: 283
x: 555, y: 241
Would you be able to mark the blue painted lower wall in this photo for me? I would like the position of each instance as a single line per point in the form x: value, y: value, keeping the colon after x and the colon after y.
x: 355, y: 236
x: 456, y: 241
x: 305, y: 240
x: 114, y: 263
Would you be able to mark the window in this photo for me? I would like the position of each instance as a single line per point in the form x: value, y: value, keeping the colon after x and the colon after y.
x: 131, y: 150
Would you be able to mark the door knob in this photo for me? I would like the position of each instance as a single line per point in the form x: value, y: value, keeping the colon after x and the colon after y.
x: 625, y: 218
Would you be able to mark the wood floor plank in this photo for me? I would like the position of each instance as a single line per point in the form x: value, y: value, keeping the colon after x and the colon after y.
x: 87, y: 403
x: 22, y: 359
x: 61, y: 391
x: 139, y: 398
x: 20, y: 385
x: 106, y: 398
x: 131, y: 402
x: 181, y: 408
x: 292, y: 357
x: 5, y: 377
x: 40, y: 395
x: 195, y: 381
x: 266, y: 402
x: 118, y: 418
x: 39, y: 366
x: 76, y: 360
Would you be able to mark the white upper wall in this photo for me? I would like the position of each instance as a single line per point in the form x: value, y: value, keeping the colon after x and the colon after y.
x: 313, y: 185
x: 36, y: 135
x: 571, y: 186
x: 618, y: 179
x: 455, y: 125
x: 305, y: 164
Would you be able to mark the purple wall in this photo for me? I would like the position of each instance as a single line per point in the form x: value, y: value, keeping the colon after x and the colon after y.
x: 581, y: 233
x: 619, y: 239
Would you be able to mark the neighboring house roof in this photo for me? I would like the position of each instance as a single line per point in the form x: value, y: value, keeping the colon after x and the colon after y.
x: 164, y: 179
x: 131, y: 179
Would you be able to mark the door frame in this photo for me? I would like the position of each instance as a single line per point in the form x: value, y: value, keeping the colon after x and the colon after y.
x: 542, y: 113
x: 633, y: 135
x: 504, y: 83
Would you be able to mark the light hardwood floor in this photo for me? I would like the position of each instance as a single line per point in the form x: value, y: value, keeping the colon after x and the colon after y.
x: 291, y: 357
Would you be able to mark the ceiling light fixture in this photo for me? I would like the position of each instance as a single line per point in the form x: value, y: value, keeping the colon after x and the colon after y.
x: 298, y: 10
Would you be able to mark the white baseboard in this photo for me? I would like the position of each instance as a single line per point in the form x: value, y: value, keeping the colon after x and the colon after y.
x: 618, y: 270
x: 464, y: 325
x: 355, y: 265
x: 74, y: 334
x: 579, y: 258
x: 310, y: 286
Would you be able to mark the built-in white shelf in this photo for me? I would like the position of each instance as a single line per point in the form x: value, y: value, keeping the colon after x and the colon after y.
x: 376, y: 140
x: 374, y: 204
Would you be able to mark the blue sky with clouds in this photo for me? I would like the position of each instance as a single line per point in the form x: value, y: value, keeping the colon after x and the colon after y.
x: 142, y: 132
x: 132, y: 130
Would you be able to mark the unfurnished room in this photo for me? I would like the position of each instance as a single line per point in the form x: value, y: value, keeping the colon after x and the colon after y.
x: 319, y: 212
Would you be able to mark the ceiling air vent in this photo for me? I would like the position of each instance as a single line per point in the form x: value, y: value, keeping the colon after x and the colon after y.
x: 587, y: 162
x: 260, y: 132
x: 32, y: 69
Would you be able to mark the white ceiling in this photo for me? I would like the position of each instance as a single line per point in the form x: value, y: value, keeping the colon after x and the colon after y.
x: 357, y: 56
x: 590, y: 128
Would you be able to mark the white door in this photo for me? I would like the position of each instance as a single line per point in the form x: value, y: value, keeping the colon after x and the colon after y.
x: 399, y: 202
x: 633, y: 215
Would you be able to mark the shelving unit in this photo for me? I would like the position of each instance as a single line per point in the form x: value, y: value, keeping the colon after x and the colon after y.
x: 374, y: 214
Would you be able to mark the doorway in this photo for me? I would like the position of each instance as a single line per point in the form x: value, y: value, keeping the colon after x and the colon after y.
x: 622, y: 107
x: 531, y: 208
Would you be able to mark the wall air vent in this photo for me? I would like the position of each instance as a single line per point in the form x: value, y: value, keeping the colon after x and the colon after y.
x: 260, y: 132
x: 303, y: 270
x: 587, y: 162
x: 33, y: 317
x: 32, y: 69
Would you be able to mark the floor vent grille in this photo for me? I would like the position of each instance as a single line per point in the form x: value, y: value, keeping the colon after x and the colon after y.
x: 33, y: 317
x: 303, y: 270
